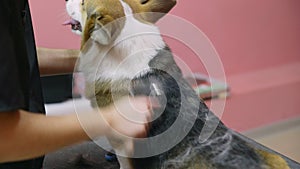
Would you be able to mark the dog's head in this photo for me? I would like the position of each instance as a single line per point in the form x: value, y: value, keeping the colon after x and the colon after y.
x: 102, y: 20
x: 97, y: 16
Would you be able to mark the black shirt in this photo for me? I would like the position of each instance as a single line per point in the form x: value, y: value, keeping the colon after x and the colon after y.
x: 19, y: 74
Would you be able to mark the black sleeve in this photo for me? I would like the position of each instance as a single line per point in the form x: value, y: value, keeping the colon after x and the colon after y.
x: 12, y: 58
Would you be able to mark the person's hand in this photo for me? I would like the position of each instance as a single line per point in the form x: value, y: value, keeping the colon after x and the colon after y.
x: 128, y: 117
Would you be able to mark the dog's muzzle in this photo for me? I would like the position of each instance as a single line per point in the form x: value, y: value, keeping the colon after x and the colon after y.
x: 75, y: 25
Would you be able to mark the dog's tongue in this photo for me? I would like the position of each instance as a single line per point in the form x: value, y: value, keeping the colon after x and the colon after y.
x: 70, y: 22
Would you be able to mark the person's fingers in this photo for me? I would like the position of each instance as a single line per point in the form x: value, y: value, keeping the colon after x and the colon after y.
x: 142, y: 133
x: 146, y: 124
x: 154, y: 102
x: 144, y: 110
x: 147, y: 128
x: 149, y: 114
x: 136, y: 116
x: 149, y: 119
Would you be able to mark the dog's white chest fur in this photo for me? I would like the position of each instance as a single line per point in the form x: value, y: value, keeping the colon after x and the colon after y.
x: 127, y: 57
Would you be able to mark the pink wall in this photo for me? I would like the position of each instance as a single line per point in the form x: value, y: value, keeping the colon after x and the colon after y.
x: 252, y: 33
x: 48, y: 17
x: 249, y: 35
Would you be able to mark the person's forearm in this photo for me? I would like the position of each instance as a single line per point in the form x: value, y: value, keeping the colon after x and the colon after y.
x: 25, y: 135
x: 56, y: 61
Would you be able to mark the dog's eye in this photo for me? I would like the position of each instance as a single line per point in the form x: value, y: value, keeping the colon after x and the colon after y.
x: 143, y: 2
x: 99, y: 17
x: 82, y: 2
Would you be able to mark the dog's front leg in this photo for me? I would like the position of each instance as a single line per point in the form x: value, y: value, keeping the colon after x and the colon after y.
x: 123, y: 149
x: 124, y: 163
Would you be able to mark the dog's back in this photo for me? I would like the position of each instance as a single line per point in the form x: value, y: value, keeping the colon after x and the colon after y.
x: 224, y: 149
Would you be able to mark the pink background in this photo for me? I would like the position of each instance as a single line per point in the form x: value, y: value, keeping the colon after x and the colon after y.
x: 258, y: 42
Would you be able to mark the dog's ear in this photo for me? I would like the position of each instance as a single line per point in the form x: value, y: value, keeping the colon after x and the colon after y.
x: 151, y: 10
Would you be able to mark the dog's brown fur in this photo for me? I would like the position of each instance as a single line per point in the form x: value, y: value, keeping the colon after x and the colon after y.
x: 151, y: 10
x: 101, y: 13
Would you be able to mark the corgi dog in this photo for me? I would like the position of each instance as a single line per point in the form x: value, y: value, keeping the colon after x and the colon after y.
x: 124, y: 54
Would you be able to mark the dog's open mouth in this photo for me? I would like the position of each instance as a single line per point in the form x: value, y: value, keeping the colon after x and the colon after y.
x: 75, y: 25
